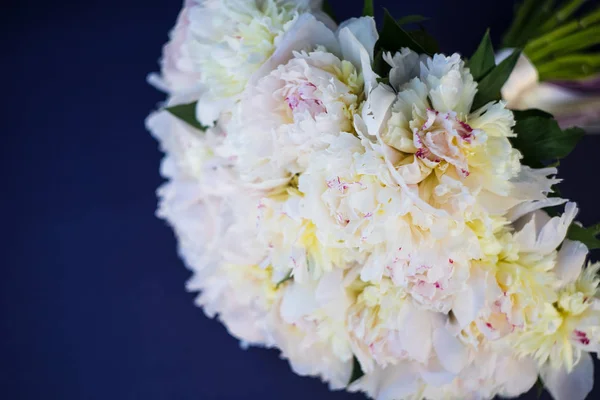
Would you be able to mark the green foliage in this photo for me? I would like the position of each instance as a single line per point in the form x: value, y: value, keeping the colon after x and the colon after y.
x: 381, y: 67
x: 425, y: 40
x: 570, y: 67
x: 539, y: 388
x: 284, y: 280
x: 357, y: 371
x: 561, y: 43
x: 392, y: 37
x: 483, y: 60
x: 540, y: 139
x: 587, y: 236
x: 412, y: 19
x: 187, y: 113
x: 368, y: 9
x: 529, y: 17
x: 491, y: 85
x: 328, y: 9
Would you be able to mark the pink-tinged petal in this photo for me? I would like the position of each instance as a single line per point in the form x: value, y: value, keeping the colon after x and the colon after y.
x: 570, y: 386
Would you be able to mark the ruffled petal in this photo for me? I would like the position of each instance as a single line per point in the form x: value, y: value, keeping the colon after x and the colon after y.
x: 570, y: 386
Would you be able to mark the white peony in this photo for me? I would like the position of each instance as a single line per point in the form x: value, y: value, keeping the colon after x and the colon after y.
x: 459, y: 164
x: 388, y: 328
x: 178, y: 75
x: 199, y: 183
x: 229, y: 40
x: 311, y: 331
x: 311, y: 94
x: 343, y: 220
x: 356, y: 205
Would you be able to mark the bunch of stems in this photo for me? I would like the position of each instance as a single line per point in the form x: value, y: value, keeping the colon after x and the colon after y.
x: 560, y: 44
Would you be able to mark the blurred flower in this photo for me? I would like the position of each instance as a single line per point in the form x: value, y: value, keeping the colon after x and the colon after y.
x: 572, y: 103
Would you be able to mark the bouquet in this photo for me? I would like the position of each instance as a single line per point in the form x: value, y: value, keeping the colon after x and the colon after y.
x: 385, y: 215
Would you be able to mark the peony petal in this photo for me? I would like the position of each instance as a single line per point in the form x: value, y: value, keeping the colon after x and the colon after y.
x: 416, y: 337
x: 538, y: 233
x: 451, y: 353
x: 357, y: 39
x: 523, y: 77
x: 208, y: 109
x: 519, y: 376
x: 405, y: 66
x: 364, y: 30
x: 571, y: 257
x: 398, y: 382
x: 377, y: 108
x: 306, y: 33
x: 330, y: 286
x: 554, y: 232
x: 525, y: 208
x: 436, y: 375
x: 467, y: 304
x: 570, y: 386
x: 298, y: 300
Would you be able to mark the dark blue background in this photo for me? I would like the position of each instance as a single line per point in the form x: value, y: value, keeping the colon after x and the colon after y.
x: 92, y: 300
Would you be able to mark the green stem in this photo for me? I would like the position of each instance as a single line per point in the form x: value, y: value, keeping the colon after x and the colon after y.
x: 574, y: 66
x: 591, y: 18
x: 522, y: 14
x: 562, y: 15
x: 563, y: 31
x: 586, y: 38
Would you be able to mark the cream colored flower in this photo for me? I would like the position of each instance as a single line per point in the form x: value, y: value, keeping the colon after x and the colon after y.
x: 310, y: 328
x: 178, y: 76
x: 310, y: 96
x: 458, y: 164
x: 230, y: 40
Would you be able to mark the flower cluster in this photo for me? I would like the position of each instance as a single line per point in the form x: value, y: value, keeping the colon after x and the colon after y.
x: 380, y: 228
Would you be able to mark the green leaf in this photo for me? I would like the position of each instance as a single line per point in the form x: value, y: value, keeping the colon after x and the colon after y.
x: 187, y: 113
x: 540, y: 139
x: 587, y: 236
x: 284, y: 280
x: 490, y: 86
x: 581, y: 40
x: 483, y: 60
x: 522, y: 15
x: 368, y: 9
x: 529, y: 17
x: 328, y: 9
x: 539, y: 385
x: 380, y: 66
x: 357, y: 371
x: 532, y: 112
x: 570, y: 67
x: 412, y: 19
x: 426, y: 41
x: 393, y: 37
x: 563, y: 31
x: 562, y: 15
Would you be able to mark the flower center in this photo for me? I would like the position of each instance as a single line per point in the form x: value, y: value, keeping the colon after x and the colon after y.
x: 443, y: 137
x: 302, y: 99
